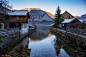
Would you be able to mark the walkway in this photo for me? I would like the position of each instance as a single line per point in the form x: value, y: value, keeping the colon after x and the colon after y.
x: 77, y: 31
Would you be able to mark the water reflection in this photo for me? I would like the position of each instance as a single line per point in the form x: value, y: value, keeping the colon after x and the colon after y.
x: 46, y: 44
x: 42, y: 48
x: 59, y: 49
x: 65, y: 48
x: 42, y: 43
x: 40, y: 33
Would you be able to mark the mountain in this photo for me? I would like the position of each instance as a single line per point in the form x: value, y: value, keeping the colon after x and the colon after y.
x: 34, y: 9
x: 82, y: 17
x: 39, y: 16
x: 29, y: 9
x: 76, y: 16
x: 51, y: 15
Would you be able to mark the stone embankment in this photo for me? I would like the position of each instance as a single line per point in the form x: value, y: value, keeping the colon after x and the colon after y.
x: 14, y: 38
x: 78, y: 39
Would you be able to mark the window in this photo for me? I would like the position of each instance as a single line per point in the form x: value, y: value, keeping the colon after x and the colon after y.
x: 69, y: 16
x: 62, y: 16
x: 17, y: 18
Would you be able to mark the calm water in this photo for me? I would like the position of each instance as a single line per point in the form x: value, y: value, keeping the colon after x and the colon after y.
x: 44, y: 44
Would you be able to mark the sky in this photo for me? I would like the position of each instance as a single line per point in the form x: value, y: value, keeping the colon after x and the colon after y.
x: 74, y: 7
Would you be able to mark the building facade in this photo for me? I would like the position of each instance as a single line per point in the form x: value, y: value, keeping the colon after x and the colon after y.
x: 67, y: 15
x: 70, y: 23
x: 18, y: 15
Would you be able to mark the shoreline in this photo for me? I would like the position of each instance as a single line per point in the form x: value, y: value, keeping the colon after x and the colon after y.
x: 80, y: 40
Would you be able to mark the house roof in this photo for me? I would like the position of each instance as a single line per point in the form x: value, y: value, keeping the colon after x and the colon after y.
x: 18, y: 12
x: 68, y: 13
x: 68, y: 20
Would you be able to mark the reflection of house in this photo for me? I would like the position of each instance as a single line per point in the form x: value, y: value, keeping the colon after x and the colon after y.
x: 70, y: 22
x: 67, y: 15
x: 18, y: 15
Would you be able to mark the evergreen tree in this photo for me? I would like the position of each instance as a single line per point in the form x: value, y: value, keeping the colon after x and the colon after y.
x: 58, y: 18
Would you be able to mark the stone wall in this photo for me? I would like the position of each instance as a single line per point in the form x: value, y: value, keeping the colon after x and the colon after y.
x: 77, y: 31
x: 80, y: 40
x: 15, y: 40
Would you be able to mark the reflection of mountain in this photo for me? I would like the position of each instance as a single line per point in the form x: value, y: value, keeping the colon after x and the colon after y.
x: 40, y: 34
x: 49, y: 35
x: 40, y: 39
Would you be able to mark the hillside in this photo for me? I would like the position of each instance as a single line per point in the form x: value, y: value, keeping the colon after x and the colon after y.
x: 29, y: 9
x: 82, y: 17
x: 51, y: 15
x: 39, y: 16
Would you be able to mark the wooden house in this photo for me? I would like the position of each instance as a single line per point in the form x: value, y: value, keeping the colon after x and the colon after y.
x: 67, y: 15
x: 70, y: 23
x: 18, y: 15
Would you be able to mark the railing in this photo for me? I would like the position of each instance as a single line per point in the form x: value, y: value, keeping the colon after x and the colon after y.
x: 8, y: 37
x: 11, y: 34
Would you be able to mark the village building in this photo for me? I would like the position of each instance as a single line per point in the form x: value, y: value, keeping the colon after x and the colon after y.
x: 67, y: 15
x: 18, y: 15
x: 11, y: 18
x: 69, y: 23
x: 4, y: 8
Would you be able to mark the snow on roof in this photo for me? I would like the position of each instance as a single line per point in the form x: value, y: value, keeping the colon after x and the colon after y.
x: 18, y: 12
x: 68, y: 20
